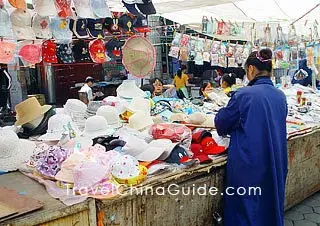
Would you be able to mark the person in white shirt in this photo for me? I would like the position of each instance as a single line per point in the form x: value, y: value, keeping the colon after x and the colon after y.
x: 86, y: 88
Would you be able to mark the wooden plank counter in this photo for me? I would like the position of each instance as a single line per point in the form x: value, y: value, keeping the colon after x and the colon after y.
x: 146, y: 209
x: 54, y: 212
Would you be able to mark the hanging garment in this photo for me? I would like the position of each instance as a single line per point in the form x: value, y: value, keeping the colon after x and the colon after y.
x: 256, y: 120
x: 5, y: 85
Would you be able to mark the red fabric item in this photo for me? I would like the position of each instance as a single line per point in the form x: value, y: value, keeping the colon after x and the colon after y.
x: 173, y: 132
x: 199, y: 154
x: 210, y: 147
x: 63, y: 8
x: 49, y: 52
x: 199, y: 136
x: 142, y: 29
x: 31, y: 53
x: 97, y: 51
x: 220, y: 28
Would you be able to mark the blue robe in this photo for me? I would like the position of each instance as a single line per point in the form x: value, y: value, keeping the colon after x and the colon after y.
x: 256, y: 120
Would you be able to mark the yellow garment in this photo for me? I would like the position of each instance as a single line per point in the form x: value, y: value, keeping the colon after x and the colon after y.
x: 180, y: 82
x: 227, y: 90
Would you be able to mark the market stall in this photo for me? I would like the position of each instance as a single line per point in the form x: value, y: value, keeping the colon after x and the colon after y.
x: 130, y: 157
x: 145, y: 209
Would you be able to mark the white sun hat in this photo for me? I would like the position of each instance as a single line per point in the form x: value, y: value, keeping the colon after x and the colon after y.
x: 97, y: 126
x: 140, y: 104
x: 45, y: 7
x: 57, y: 125
x: 76, y: 109
x: 128, y: 89
x: 21, y: 24
x: 14, y: 152
x: 140, y: 121
x: 111, y: 114
x: 142, y: 151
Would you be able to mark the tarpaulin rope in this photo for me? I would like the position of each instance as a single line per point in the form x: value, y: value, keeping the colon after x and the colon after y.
x: 305, y: 14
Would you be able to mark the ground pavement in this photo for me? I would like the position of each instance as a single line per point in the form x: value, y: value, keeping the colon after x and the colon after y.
x: 306, y: 213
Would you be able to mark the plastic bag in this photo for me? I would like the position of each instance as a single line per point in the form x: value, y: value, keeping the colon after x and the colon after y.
x: 214, y: 59
x: 224, y: 48
x: 184, y: 54
x: 174, y: 52
x: 177, y: 133
x: 220, y: 29
x: 215, y: 47
x: 206, y: 57
x: 176, y: 39
x: 184, y: 41
x: 199, y: 58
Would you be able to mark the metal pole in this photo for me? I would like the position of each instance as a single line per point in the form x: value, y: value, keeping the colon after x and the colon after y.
x: 50, y: 84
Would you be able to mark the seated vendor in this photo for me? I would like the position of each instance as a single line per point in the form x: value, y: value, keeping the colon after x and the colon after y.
x: 227, y: 81
x: 303, y: 75
x: 86, y: 88
x: 158, y: 89
x: 206, y: 88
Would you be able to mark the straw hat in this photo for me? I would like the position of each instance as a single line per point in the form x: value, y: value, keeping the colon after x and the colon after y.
x: 29, y: 110
x: 139, y: 56
x: 14, y: 151
x: 140, y: 121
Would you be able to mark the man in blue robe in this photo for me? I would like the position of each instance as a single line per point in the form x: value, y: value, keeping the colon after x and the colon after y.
x: 257, y: 159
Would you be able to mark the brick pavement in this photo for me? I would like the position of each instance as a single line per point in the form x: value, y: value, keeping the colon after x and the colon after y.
x: 306, y: 213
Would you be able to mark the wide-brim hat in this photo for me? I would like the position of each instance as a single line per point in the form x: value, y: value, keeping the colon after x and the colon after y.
x: 139, y: 56
x: 22, y: 151
x: 143, y: 173
x: 140, y: 121
x: 128, y: 89
x: 139, y: 104
x: 155, y: 150
x: 169, y: 146
x: 29, y: 110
